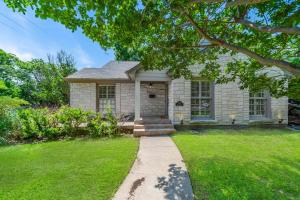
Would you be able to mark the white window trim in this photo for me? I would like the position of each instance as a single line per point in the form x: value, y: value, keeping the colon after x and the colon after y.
x: 267, y: 115
x: 210, y: 118
x: 106, y: 98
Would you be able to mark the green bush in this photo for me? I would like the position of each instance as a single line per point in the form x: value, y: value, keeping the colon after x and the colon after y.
x: 94, y: 124
x: 70, y: 120
x: 32, y: 124
x: 106, y: 127
x: 113, y: 123
x: 6, y: 123
x: 36, y: 123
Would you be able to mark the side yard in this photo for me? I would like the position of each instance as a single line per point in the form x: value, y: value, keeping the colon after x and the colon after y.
x: 76, y: 169
x: 242, y: 164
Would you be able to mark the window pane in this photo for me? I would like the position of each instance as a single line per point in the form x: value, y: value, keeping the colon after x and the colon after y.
x: 195, y: 89
x: 195, y: 102
x: 102, y: 92
x: 258, y: 104
x: 205, y: 107
x: 111, y: 91
x: 201, y: 102
x: 205, y: 89
x: 195, y: 110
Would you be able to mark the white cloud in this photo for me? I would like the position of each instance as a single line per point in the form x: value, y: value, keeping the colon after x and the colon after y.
x: 82, y: 57
x: 22, y: 54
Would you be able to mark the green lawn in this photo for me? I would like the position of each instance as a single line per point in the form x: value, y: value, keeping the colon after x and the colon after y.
x: 243, y: 164
x: 77, y: 169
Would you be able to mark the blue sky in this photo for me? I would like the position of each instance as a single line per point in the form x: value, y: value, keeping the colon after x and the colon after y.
x: 29, y: 37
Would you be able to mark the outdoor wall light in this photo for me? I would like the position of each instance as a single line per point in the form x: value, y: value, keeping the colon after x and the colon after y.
x: 232, y: 117
x: 279, y: 117
x: 150, y: 85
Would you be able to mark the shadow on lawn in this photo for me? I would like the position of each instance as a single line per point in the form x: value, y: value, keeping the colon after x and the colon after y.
x: 222, y: 178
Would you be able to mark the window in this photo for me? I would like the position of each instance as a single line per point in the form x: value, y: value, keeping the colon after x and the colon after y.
x: 201, y: 100
x: 258, y: 105
x: 106, y: 91
x: 107, y: 97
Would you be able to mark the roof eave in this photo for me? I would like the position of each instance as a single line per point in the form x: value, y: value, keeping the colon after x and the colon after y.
x: 92, y: 80
x: 131, y: 72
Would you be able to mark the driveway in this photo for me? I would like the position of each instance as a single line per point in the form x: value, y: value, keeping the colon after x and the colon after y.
x: 158, y: 173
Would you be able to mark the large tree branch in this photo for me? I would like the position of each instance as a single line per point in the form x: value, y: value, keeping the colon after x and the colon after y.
x: 231, y: 3
x: 292, y: 68
x: 269, y: 29
x: 207, y: 1
x: 187, y: 47
x: 243, y: 2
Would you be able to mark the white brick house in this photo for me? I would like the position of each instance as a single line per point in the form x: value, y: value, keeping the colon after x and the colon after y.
x: 128, y: 89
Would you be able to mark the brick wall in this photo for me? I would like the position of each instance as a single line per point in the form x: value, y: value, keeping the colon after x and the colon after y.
x: 180, y: 90
x: 279, y: 109
x: 83, y: 95
x: 124, y: 98
x: 229, y: 101
x: 153, y: 106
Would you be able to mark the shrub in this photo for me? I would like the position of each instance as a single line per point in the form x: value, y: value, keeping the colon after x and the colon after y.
x: 94, y: 125
x: 6, y: 124
x: 71, y: 119
x: 36, y: 123
x: 103, y: 127
x: 113, y: 123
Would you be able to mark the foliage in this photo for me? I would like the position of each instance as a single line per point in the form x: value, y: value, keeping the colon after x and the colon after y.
x: 242, y: 164
x: 8, y: 124
x: 36, y: 124
x: 7, y: 117
x: 103, y: 127
x: 70, y: 119
x: 294, y: 83
x: 126, y: 53
x: 9, y: 103
x: 41, y: 123
x: 179, y: 33
x: 112, y: 122
x: 37, y: 81
x: 94, y: 125
x: 85, y: 169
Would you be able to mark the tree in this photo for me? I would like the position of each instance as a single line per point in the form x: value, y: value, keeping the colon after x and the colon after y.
x: 37, y: 81
x: 179, y: 33
x: 7, y: 103
x: 126, y: 53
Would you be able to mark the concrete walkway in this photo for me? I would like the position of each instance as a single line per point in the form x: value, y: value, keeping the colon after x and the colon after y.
x: 158, y: 173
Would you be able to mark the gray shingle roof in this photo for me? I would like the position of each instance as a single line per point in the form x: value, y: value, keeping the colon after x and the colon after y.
x: 114, y: 70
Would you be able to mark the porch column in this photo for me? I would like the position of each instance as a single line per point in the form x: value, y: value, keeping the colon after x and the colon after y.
x: 137, y: 103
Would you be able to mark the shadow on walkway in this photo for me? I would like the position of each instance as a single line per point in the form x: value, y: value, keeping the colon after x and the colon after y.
x: 177, y: 185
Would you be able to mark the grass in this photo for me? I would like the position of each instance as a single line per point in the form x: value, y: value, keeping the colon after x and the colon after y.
x: 242, y: 164
x: 77, y: 169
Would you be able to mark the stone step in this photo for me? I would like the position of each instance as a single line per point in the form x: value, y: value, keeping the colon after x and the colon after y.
x: 152, y: 132
x: 153, y: 121
x: 152, y: 126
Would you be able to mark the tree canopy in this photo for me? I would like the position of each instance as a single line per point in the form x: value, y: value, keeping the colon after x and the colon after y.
x: 37, y: 81
x: 179, y: 33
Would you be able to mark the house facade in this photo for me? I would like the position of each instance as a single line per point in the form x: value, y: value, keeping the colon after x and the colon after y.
x: 128, y: 89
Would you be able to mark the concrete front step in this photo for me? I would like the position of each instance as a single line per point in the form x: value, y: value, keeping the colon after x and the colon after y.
x: 153, y: 121
x: 152, y: 126
x: 152, y: 132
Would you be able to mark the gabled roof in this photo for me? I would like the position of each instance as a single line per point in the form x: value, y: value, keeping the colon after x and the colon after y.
x: 114, y: 70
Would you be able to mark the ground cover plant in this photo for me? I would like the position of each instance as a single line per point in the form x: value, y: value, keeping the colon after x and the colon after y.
x: 76, y: 169
x: 242, y: 164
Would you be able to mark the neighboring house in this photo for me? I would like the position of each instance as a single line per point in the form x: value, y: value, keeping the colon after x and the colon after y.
x: 128, y: 89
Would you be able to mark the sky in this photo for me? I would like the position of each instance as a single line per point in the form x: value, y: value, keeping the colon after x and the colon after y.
x: 28, y: 37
